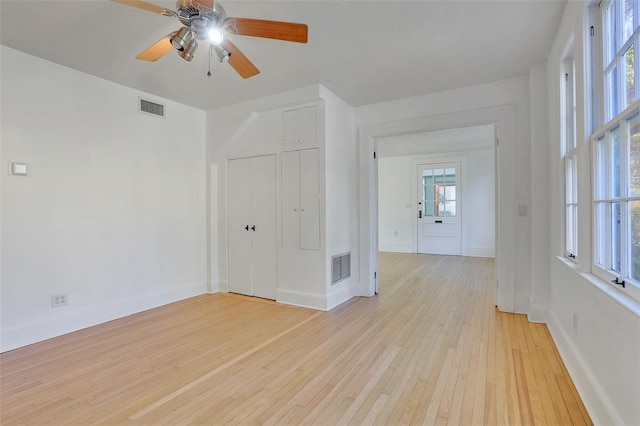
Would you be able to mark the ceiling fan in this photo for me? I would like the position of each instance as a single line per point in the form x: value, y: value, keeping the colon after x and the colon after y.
x: 207, y: 20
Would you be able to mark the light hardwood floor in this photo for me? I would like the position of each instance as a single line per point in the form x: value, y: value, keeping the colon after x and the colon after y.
x: 430, y: 349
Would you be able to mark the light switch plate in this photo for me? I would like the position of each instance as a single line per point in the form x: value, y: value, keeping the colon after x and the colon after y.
x: 19, y: 169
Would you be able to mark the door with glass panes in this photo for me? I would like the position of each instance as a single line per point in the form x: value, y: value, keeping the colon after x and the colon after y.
x: 439, y: 228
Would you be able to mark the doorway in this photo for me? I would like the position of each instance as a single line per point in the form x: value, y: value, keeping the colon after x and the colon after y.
x: 503, y: 118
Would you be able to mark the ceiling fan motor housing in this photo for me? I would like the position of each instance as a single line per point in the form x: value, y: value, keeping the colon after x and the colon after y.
x: 199, y: 18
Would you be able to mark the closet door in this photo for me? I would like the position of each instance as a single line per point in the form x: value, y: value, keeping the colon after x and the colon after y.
x: 238, y: 225
x: 299, y: 127
x: 309, y: 200
x: 263, y: 227
x: 301, y: 199
x: 290, y: 199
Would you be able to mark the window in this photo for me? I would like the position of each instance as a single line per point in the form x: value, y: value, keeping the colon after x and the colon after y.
x: 616, y: 153
x: 570, y: 157
x: 439, y: 192
x: 621, y: 35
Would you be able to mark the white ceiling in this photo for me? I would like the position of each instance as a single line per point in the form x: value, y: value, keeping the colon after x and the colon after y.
x: 364, y: 51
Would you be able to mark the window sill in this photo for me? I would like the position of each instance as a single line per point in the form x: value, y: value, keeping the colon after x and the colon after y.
x: 619, y: 297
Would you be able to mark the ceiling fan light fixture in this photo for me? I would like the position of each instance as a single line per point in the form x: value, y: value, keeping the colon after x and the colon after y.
x: 215, y: 35
x: 187, y: 53
x: 181, y: 38
x: 223, y: 54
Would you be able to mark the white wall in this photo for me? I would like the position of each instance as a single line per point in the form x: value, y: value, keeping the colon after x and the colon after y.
x: 113, y: 213
x: 395, y: 205
x: 596, y: 328
x: 540, y: 212
x: 341, y: 199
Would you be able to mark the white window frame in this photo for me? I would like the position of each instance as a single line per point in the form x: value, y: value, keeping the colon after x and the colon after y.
x: 614, y: 57
x: 570, y: 157
x: 604, y: 196
x: 602, y: 171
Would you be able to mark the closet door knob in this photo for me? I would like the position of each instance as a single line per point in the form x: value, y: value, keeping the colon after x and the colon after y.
x: 253, y: 228
x: 246, y: 228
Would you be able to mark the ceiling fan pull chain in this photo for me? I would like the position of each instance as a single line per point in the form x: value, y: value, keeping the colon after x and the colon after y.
x: 210, y: 53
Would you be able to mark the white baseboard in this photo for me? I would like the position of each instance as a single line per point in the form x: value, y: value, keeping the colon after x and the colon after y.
x: 219, y: 287
x: 395, y: 248
x: 598, y: 405
x: 340, y: 294
x: 301, y: 298
x: 67, y: 321
x: 481, y: 252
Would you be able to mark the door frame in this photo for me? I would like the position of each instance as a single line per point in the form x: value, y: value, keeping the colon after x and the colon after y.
x: 504, y: 118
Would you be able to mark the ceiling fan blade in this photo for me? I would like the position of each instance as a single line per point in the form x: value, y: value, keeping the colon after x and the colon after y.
x: 287, y: 31
x: 156, y: 50
x: 206, y: 3
x: 146, y: 6
x: 239, y: 62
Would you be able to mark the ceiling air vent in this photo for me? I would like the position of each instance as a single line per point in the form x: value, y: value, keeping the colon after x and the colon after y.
x: 152, y: 108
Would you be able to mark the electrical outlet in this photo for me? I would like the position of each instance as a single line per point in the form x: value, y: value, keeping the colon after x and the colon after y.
x: 522, y: 210
x: 58, y: 300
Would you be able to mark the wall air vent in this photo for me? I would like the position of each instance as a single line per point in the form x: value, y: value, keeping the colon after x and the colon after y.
x: 340, y: 267
x: 152, y: 108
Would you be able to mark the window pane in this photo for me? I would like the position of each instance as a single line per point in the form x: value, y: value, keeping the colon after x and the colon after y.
x: 634, y: 157
x: 610, y: 33
x: 634, y: 207
x: 600, y: 169
x: 438, y: 175
x: 450, y: 175
x: 441, y: 195
x: 441, y: 208
x: 427, y: 185
x: 570, y: 229
x: 600, y: 234
x: 450, y: 192
x: 615, y: 237
x: 615, y: 163
x: 428, y: 193
x: 429, y: 207
x: 574, y: 239
x: 627, y: 24
x: 628, y: 76
x: 612, y: 93
x: 569, y: 183
x: 450, y: 208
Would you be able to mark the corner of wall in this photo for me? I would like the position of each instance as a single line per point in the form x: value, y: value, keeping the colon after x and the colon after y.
x: 538, y: 313
x: 340, y: 294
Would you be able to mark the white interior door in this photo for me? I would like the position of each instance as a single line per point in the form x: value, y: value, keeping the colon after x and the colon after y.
x: 239, y: 225
x: 263, y: 227
x: 439, y: 225
x: 251, y: 197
